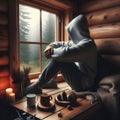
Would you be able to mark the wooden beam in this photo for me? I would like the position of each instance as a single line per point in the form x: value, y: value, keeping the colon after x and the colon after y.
x: 105, y: 31
x: 3, y: 49
x: 108, y: 46
x: 3, y: 5
x: 69, y: 2
x: 4, y: 72
x: 94, y: 5
x: 3, y: 38
x: 3, y: 31
x: 3, y: 43
x: 114, y: 61
x: 104, y: 16
x: 3, y: 19
x: 13, y: 36
x: 55, y: 3
x: 4, y: 60
x: 4, y: 82
x: 50, y: 3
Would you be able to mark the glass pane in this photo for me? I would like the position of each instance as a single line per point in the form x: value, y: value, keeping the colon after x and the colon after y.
x: 44, y: 59
x: 30, y: 56
x: 29, y: 23
x: 48, y: 26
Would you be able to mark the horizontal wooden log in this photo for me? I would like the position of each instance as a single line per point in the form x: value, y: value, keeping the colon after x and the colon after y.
x: 4, y: 60
x: 51, y: 4
x: 3, y: 5
x: 4, y: 82
x: 3, y: 37
x: 71, y: 3
x: 54, y: 3
x: 105, y: 31
x: 3, y: 49
x: 108, y: 45
x: 4, y: 72
x: 3, y: 30
x: 110, y: 15
x: 3, y: 19
x: 95, y: 5
x: 114, y: 61
x: 3, y: 43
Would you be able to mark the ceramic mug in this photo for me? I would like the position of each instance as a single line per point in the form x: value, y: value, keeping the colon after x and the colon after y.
x: 31, y: 100
x: 45, y: 99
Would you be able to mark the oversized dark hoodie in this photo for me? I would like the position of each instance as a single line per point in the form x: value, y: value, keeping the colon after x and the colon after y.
x: 80, y: 49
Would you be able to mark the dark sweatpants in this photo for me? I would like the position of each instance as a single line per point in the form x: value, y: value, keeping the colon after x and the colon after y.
x: 69, y: 70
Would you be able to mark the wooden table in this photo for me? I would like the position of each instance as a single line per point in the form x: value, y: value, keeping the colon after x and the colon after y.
x: 82, y: 112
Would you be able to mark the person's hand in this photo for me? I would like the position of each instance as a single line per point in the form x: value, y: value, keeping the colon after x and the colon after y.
x: 48, y: 51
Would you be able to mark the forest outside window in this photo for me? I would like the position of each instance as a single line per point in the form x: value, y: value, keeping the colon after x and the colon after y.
x: 37, y: 28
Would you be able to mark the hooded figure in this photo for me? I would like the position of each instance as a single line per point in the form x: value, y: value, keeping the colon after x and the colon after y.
x: 76, y: 59
x: 81, y: 50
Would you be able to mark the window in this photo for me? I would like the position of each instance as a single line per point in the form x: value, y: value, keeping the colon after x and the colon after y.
x: 34, y: 24
x: 37, y: 28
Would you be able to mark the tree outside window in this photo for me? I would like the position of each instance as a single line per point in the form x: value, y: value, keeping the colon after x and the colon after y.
x: 37, y: 28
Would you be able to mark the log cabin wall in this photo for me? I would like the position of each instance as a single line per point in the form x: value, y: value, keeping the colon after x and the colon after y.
x: 7, y: 37
x: 4, y: 47
x: 104, y: 24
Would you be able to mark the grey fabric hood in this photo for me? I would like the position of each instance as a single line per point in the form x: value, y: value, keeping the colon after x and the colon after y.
x: 78, y: 29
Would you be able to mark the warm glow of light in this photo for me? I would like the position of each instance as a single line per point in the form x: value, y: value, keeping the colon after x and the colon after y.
x: 12, y: 94
x: 9, y: 91
x: 12, y: 97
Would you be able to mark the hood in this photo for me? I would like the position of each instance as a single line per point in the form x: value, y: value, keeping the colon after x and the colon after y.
x: 78, y: 29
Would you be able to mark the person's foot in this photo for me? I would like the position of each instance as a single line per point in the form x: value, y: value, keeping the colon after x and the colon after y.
x: 50, y: 84
x: 33, y: 88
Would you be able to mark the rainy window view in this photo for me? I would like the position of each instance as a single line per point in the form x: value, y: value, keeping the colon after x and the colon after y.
x: 35, y: 35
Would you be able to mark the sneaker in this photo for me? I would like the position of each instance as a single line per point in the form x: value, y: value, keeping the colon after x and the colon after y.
x: 50, y: 84
x: 32, y: 89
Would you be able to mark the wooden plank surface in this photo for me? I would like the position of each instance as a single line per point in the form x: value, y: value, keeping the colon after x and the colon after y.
x: 67, y: 114
x: 81, y: 111
x: 35, y: 111
x: 22, y: 104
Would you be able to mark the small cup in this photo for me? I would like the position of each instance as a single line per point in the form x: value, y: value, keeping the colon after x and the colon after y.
x: 90, y: 98
x: 45, y: 99
x: 31, y: 100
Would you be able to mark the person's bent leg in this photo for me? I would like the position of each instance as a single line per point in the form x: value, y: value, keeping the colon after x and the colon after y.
x: 49, y: 71
x: 69, y: 70
x: 73, y: 76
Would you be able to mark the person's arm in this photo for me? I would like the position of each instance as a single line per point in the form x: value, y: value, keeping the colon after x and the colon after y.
x: 50, y: 48
x: 75, y: 52
x: 48, y: 51
x: 58, y: 44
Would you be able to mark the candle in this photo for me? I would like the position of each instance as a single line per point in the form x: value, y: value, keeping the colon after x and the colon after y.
x: 12, y: 97
x: 9, y: 91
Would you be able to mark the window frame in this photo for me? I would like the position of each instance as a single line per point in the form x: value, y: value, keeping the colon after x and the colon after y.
x: 64, y: 15
x: 32, y: 75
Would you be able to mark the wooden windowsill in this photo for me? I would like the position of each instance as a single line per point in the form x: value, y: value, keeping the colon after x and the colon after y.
x: 82, y: 112
x: 58, y: 79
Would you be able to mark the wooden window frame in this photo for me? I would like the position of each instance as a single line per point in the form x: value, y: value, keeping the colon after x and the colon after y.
x: 64, y: 12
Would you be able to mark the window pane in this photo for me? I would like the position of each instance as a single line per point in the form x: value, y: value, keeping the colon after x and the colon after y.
x: 30, y: 56
x: 44, y: 59
x: 29, y: 23
x: 48, y: 26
